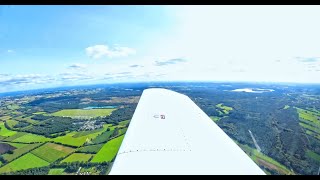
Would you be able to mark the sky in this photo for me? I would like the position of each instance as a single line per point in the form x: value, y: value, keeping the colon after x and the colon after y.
x: 51, y: 46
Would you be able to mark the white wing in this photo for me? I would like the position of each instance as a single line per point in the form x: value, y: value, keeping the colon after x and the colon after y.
x: 170, y: 134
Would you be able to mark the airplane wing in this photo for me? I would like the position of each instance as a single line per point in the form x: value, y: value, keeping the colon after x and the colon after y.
x: 170, y: 134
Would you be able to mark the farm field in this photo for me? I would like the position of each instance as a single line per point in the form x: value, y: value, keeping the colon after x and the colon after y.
x: 109, y: 150
x: 225, y: 109
x: 85, y: 113
x: 51, y: 152
x: 215, y: 118
x: 80, y: 157
x: 90, y: 149
x: 6, y: 132
x: 58, y: 171
x: 313, y: 155
x: 25, y: 162
x: 102, y: 137
x: 20, y: 151
x: 70, y: 139
x: 29, y: 138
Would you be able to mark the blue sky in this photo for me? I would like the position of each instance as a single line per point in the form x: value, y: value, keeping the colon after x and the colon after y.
x: 47, y: 46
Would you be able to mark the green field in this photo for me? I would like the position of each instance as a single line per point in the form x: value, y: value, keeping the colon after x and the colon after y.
x: 25, y: 162
x: 85, y: 133
x: 28, y: 138
x: 104, y: 137
x: 69, y: 138
x: 51, y: 152
x: 81, y: 157
x: 215, y: 118
x: 90, y: 149
x: 85, y: 113
x: 225, y: 109
x: 309, y: 116
x: 109, y: 150
x: 6, y: 132
x: 11, y: 123
x: 58, y: 171
x: 124, y: 123
x: 4, y: 118
x: 313, y: 155
x: 20, y: 151
x: 19, y: 134
x: 311, y: 128
x: 18, y: 145
x: 122, y: 131
x: 13, y: 107
x: 264, y: 160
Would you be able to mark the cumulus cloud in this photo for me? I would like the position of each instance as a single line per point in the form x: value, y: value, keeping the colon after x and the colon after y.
x: 99, y: 51
x: 170, y: 61
x: 79, y: 76
x: 21, y: 79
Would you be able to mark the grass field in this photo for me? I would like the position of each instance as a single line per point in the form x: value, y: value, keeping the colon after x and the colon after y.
x: 11, y: 123
x: 309, y: 116
x: 311, y: 128
x: 85, y: 133
x: 122, y: 131
x: 109, y: 150
x: 25, y: 162
x: 4, y: 118
x: 310, y: 121
x: 80, y: 157
x: 215, y: 118
x: 102, y: 137
x: 20, y: 151
x: 225, y: 109
x: 85, y: 113
x: 124, y: 123
x: 6, y: 132
x: 58, y: 171
x: 51, y: 152
x: 13, y: 107
x: 313, y: 155
x: 28, y: 138
x: 18, y: 145
x: 263, y: 160
x: 91, y: 149
x: 19, y: 134
x: 69, y: 138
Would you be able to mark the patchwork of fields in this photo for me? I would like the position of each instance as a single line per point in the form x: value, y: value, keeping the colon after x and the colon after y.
x: 36, y: 151
x: 310, y: 121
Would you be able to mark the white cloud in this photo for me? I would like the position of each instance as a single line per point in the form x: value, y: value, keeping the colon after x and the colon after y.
x: 99, y: 51
x: 242, y: 43
x: 77, y: 66
x: 10, y: 51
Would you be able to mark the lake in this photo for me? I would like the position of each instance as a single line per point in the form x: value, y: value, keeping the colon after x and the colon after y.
x: 100, y: 107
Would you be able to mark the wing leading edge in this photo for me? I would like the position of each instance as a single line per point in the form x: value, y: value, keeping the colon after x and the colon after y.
x: 170, y: 134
